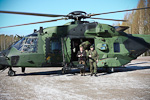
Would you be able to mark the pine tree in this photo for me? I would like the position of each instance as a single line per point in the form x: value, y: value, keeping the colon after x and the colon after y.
x: 147, y: 22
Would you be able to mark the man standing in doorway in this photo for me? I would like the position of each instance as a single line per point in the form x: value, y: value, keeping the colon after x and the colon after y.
x: 93, y: 59
x: 82, y: 58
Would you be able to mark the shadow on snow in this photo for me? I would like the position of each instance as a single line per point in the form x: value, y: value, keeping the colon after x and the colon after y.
x: 127, y: 68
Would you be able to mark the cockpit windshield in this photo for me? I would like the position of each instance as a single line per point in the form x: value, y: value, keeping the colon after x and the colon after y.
x: 27, y: 44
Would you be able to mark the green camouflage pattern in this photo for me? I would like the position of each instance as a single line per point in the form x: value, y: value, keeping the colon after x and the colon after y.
x: 114, y: 48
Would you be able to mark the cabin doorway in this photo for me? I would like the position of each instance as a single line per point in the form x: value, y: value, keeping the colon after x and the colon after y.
x: 75, y: 42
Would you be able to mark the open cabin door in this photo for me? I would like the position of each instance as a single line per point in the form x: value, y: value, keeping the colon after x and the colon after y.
x: 66, y: 49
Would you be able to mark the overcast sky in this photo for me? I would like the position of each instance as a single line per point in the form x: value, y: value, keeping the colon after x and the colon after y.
x: 56, y: 7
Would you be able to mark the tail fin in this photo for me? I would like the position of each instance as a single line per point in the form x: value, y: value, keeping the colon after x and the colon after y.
x: 145, y: 37
x: 137, y: 44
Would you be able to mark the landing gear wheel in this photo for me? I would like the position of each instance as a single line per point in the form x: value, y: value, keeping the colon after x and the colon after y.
x: 110, y: 70
x: 11, y: 73
x: 66, y: 68
x: 63, y: 70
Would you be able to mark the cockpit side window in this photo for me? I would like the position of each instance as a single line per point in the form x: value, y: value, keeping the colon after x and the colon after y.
x: 27, y: 44
x: 19, y: 44
x: 30, y: 45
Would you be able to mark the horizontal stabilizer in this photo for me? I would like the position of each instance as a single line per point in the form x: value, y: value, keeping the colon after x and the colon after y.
x: 121, y: 28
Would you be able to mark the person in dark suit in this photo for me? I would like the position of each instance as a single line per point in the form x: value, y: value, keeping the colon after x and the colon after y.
x: 81, y: 59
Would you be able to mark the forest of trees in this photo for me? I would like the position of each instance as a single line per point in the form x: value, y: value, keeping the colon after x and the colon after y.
x: 6, y: 41
x: 138, y: 20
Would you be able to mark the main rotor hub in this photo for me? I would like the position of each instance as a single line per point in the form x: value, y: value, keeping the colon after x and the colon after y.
x: 78, y: 15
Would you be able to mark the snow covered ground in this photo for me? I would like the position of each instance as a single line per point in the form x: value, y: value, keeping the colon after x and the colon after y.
x: 130, y: 83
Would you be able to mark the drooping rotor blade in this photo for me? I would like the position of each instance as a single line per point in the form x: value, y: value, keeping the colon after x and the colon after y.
x: 110, y: 19
x: 33, y: 23
x: 119, y: 11
x: 34, y: 14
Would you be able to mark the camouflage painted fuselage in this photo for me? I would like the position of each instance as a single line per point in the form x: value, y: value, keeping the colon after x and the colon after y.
x: 57, y: 45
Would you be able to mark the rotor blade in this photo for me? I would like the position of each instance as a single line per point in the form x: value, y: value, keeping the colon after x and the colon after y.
x: 110, y: 19
x: 34, y: 14
x: 32, y: 23
x: 120, y: 11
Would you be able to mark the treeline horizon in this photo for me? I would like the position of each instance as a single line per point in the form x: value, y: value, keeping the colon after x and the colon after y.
x: 7, y: 40
x: 138, y: 21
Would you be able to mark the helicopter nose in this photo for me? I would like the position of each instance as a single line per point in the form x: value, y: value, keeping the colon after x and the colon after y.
x: 3, y: 61
x: 1, y: 57
x: 2, y: 67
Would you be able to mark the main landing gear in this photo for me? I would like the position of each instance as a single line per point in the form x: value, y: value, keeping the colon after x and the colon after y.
x: 23, y: 69
x: 109, y: 69
x: 67, y: 68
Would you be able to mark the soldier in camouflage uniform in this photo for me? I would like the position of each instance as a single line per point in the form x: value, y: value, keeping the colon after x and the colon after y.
x: 93, y: 59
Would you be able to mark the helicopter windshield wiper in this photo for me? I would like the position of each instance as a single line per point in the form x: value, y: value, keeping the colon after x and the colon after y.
x: 19, y: 36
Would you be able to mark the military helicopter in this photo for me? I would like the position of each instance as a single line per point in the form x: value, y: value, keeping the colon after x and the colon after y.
x: 58, y: 45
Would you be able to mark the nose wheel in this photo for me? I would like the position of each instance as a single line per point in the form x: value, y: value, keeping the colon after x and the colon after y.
x: 11, y: 72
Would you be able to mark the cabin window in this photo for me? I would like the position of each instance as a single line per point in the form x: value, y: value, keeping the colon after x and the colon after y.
x: 56, y: 45
x: 116, y: 47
